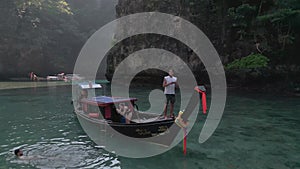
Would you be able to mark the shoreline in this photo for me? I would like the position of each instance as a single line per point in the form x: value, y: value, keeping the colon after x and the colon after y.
x: 8, y: 85
x: 29, y: 84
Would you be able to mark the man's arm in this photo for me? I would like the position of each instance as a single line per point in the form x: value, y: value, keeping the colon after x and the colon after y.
x: 165, y: 83
x: 176, y: 84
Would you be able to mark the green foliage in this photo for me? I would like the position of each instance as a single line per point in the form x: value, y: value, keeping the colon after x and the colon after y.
x: 241, y: 15
x: 283, y: 27
x: 253, y: 61
x: 39, y: 36
x: 282, y: 15
x: 242, y: 18
x: 54, y: 6
x: 45, y: 36
x: 269, y: 27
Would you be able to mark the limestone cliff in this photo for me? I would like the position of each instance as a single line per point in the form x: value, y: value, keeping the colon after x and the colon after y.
x: 132, y: 44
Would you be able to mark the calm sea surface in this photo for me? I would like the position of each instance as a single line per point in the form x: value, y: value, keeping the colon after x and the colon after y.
x: 256, y: 131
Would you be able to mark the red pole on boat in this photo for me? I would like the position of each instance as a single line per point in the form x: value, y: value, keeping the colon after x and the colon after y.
x: 204, y: 107
x: 179, y: 121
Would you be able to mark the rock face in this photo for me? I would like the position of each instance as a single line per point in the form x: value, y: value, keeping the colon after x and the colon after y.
x: 139, y: 42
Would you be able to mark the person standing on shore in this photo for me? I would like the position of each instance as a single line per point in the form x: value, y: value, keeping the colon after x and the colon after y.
x: 170, y: 82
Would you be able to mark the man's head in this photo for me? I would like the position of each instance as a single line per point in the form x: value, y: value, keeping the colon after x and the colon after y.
x: 171, y: 73
x: 84, y: 93
x: 18, y: 152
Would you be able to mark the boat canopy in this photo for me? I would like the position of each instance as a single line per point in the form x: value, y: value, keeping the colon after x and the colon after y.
x: 106, y: 100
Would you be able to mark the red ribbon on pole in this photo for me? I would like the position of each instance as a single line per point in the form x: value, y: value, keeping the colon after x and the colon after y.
x: 203, y: 95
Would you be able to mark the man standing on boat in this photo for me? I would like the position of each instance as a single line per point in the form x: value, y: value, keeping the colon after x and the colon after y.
x: 170, y: 82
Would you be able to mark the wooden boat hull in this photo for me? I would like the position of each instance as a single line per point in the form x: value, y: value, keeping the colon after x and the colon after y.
x: 134, y: 130
x: 111, y: 136
x: 144, y: 130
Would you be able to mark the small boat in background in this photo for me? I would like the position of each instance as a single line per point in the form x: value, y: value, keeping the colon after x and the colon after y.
x: 65, y: 77
x: 58, y: 77
x: 73, y: 77
x: 53, y: 78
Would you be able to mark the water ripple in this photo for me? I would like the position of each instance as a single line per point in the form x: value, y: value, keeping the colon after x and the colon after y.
x: 63, y: 153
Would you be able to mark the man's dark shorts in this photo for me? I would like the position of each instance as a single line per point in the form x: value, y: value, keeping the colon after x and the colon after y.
x: 170, y: 98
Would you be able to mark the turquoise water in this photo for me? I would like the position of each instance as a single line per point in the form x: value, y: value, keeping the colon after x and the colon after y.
x: 256, y: 131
